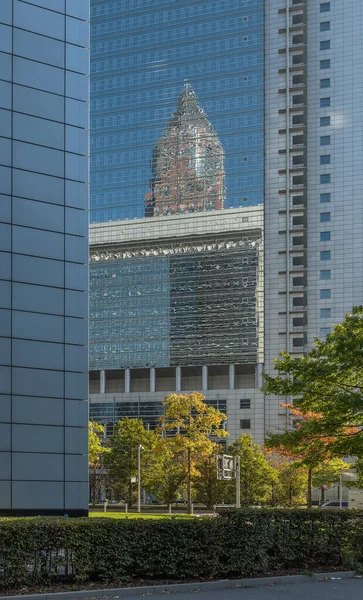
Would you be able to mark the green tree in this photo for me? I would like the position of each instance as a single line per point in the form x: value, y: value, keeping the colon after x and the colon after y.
x: 328, y: 473
x: 122, y: 459
x: 291, y: 485
x: 96, y: 454
x: 257, y: 475
x: 327, y: 387
x: 209, y: 490
x: 193, y: 422
x: 305, y: 451
x: 166, y: 470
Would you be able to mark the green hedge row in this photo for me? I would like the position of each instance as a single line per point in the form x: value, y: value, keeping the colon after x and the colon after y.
x: 240, y: 543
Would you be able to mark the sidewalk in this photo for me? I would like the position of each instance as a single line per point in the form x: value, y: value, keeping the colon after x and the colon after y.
x: 324, y: 586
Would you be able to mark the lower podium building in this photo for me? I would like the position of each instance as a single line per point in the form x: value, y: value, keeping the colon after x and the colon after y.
x: 176, y: 305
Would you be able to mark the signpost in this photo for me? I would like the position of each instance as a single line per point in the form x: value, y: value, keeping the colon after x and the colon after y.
x: 229, y: 467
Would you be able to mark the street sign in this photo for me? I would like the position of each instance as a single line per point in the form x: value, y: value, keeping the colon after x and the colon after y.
x: 225, y: 467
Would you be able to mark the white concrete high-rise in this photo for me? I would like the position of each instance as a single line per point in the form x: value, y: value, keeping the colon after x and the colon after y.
x: 313, y: 177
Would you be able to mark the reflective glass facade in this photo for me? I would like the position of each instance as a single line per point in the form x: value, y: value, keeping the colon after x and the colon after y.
x: 142, y: 55
x: 177, y: 183
x: 168, y: 305
x: 108, y: 413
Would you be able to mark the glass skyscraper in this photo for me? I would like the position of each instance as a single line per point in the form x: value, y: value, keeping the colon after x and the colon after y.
x: 225, y: 196
x: 143, y: 54
x: 177, y: 190
x: 44, y: 66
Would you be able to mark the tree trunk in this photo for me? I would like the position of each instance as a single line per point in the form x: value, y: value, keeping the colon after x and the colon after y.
x: 189, y: 486
x: 309, y: 495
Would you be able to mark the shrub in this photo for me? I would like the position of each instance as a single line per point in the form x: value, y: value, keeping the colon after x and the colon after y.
x: 242, y: 543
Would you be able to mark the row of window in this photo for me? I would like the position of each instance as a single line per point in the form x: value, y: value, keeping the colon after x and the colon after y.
x: 325, y: 159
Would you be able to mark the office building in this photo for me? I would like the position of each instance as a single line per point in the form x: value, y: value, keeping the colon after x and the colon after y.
x: 44, y: 65
x: 225, y: 211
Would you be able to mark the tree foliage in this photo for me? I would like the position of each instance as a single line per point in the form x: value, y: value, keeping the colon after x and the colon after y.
x: 122, y: 460
x: 193, y: 423
x: 289, y: 489
x: 327, y: 388
x: 166, y: 471
x: 96, y: 454
x: 209, y: 490
x: 257, y: 474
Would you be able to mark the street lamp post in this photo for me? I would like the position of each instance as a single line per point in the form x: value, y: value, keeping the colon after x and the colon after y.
x: 139, y: 448
x: 238, y: 481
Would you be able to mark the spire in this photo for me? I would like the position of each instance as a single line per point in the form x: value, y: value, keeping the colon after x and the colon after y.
x: 187, y: 108
x: 188, y: 162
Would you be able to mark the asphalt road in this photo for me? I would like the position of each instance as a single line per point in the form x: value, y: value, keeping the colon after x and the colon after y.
x: 345, y: 589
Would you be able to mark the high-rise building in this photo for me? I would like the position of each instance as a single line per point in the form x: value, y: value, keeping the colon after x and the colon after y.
x: 44, y: 65
x: 225, y: 210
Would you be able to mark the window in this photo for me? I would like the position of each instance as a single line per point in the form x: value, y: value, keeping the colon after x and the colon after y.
x: 325, y: 294
x: 245, y: 38
x: 245, y: 19
x: 298, y: 322
x: 245, y: 199
x: 324, y: 331
x: 324, y: 102
x: 325, y: 83
x: 325, y: 45
x: 325, y: 217
x: 325, y: 236
x: 325, y: 64
x: 325, y: 140
x: 325, y: 159
x: 325, y: 7
x: 324, y: 121
x: 325, y: 26
x: 109, y: 429
x: 297, y: 119
x: 245, y: 403
x: 325, y: 197
x: 296, y: 342
x: 325, y: 255
x: 245, y: 424
x: 298, y: 281
x: 325, y: 275
x: 325, y: 313
x: 325, y: 178
x: 245, y: 158
x: 245, y: 78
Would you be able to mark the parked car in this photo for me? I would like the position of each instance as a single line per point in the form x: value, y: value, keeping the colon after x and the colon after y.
x: 334, y: 504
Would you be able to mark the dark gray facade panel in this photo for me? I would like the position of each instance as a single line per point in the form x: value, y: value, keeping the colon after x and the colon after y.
x: 40, y: 215
x: 37, y: 186
x: 37, y: 298
x: 45, y: 22
x: 5, y: 123
x: 38, y: 47
x: 5, y: 94
x: 43, y: 298
x: 6, y: 12
x: 38, y: 75
x: 40, y: 104
x: 38, y: 131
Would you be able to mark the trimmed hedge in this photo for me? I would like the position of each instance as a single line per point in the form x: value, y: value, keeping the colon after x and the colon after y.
x: 242, y: 543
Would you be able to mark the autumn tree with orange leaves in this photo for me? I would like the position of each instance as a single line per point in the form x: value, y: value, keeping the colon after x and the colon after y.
x: 313, y: 453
